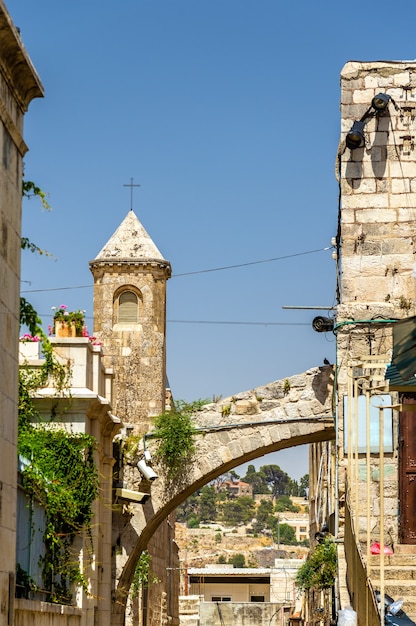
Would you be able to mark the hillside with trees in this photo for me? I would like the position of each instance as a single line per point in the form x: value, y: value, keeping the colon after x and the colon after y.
x: 238, y: 517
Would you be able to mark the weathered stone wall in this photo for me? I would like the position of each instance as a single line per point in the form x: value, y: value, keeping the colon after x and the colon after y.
x: 378, y: 187
x: 189, y: 610
x: 44, y: 614
x: 376, y: 248
x: 239, y: 614
x: 18, y: 85
x: 136, y: 353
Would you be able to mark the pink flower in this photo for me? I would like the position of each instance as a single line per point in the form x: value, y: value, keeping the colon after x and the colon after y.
x: 63, y: 306
x: 95, y: 341
x: 29, y: 337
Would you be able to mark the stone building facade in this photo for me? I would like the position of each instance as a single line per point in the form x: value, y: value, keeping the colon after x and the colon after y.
x: 376, y: 246
x: 19, y: 84
x: 84, y: 407
x: 365, y: 484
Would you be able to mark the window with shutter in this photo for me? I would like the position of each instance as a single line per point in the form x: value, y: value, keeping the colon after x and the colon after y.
x: 128, y: 308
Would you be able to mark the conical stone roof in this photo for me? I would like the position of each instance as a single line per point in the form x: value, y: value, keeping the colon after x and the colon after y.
x: 130, y: 242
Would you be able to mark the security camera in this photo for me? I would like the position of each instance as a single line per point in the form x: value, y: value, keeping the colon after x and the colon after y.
x: 146, y: 470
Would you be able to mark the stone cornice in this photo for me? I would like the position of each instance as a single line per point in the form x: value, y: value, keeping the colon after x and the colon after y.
x: 15, y: 64
x: 151, y: 264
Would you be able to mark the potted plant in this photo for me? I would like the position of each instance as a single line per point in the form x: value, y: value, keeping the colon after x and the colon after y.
x: 68, y: 323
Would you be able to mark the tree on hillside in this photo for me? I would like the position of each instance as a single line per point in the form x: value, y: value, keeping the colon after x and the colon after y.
x: 283, y: 533
x: 304, y: 485
x: 284, y: 503
x: 277, y: 480
x: 207, y: 504
x: 293, y: 488
x: 263, y: 515
x: 238, y: 511
x: 257, y: 479
x: 237, y: 560
x: 188, y: 508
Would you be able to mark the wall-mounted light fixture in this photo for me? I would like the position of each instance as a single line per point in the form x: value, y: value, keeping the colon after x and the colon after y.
x: 355, y: 136
x: 322, y: 324
x: 380, y: 101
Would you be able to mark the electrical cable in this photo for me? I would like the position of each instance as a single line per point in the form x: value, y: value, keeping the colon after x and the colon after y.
x: 214, y: 269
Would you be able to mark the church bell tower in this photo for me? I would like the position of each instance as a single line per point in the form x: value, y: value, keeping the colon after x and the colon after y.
x: 130, y: 276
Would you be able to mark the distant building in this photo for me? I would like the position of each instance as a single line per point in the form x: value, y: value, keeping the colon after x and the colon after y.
x: 236, y: 488
x: 250, y: 596
x: 299, y: 522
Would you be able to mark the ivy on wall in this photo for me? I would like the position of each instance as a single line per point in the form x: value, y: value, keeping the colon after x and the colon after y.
x: 60, y: 475
x: 175, y: 435
x: 143, y: 576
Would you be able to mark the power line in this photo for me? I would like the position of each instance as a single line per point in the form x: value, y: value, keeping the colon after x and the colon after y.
x: 233, y: 323
x: 230, y: 267
x: 214, y: 269
x: 224, y: 322
x: 58, y: 289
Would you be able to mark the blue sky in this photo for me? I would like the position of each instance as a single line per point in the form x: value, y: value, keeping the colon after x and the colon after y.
x: 226, y: 112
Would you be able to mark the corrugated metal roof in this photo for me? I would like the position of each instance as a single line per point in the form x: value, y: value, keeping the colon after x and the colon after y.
x: 393, y: 376
x: 404, y: 348
x: 229, y: 571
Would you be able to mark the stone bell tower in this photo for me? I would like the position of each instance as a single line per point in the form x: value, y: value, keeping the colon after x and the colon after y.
x: 130, y: 277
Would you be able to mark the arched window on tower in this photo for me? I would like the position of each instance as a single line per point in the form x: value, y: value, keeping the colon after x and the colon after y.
x: 128, y: 308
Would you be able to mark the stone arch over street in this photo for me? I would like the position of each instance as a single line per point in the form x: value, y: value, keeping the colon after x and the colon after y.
x: 283, y: 414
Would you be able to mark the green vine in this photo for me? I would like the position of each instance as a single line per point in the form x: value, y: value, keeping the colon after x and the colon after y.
x: 320, y: 568
x: 143, y: 576
x: 31, y: 190
x: 175, y: 434
x: 63, y: 479
x: 60, y: 475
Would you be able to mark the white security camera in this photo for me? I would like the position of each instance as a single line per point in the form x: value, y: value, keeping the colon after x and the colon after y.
x: 147, y: 456
x: 146, y: 470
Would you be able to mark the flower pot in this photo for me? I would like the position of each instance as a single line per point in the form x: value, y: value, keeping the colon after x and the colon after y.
x: 29, y: 349
x: 64, y: 329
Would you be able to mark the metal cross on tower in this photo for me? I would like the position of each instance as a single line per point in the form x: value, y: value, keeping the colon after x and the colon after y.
x: 131, y: 185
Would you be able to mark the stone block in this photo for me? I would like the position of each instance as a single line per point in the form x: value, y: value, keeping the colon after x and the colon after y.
x: 366, y: 201
x: 400, y: 169
x: 400, y: 185
x: 403, y: 200
x: 401, y: 79
x: 368, y: 215
x: 363, y: 96
x: 246, y: 407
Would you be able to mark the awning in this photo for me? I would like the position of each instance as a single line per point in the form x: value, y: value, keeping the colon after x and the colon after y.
x: 404, y: 350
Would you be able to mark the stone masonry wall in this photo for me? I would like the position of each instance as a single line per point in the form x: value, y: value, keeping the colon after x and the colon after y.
x: 18, y: 85
x: 377, y: 253
x: 137, y: 354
